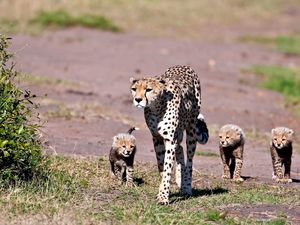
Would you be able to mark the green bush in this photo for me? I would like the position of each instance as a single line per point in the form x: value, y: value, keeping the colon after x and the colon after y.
x: 20, y: 149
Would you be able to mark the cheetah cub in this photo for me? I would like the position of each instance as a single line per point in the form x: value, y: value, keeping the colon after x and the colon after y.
x: 121, y: 156
x: 232, y: 140
x: 281, y: 153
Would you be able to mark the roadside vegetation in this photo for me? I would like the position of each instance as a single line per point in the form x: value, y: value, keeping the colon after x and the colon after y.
x: 282, y: 79
x: 44, y: 80
x: 20, y: 149
x: 285, y: 44
x: 206, y: 153
x: 62, y: 19
x: 167, y: 18
x: 80, y: 191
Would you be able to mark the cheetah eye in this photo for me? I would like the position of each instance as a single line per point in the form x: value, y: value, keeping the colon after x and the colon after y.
x: 132, y: 146
x: 227, y: 137
x: 275, y: 139
x: 220, y: 136
x: 124, y: 146
x: 133, y: 89
x: 283, y: 139
x: 148, y: 89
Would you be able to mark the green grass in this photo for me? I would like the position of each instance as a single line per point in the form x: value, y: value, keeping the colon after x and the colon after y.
x: 78, y: 190
x: 63, y: 19
x: 281, y: 79
x: 285, y: 44
x: 278, y: 78
x: 173, y: 18
x: 208, y: 154
x: 44, y: 80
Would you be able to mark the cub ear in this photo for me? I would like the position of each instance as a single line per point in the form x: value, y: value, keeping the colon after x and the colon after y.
x: 273, y: 131
x: 115, y: 138
x: 291, y: 132
x: 238, y: 131
x: 132, y: 80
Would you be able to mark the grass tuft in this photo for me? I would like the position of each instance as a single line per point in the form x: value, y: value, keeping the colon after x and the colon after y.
x: 278, y: 78
x: 208, y: 154
x: 281, y: 79
x: 44, y: 80
x: 63, y: 19
x: 284, y: 44
x: 277, y: 222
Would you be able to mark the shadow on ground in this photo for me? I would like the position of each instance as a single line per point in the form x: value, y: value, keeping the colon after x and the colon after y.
x: 197, y: 193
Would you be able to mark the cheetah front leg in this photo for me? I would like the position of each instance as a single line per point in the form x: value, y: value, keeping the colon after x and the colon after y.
x: 278, y: 174
x: 277, y: 165
x: 120, y: 170
x: 237, y: 171
x: 159, y: 147
x: 238, y: 155
x: 180, y: 165
x: 164, y: 188
x: 287, y: 171
x: 129, y: 176
x: 191, y: 142
x: 225, y: 161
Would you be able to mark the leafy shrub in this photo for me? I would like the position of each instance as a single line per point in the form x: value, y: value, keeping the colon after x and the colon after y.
x: 20, y: 149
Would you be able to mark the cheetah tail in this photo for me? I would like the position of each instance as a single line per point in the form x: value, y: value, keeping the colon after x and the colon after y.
x: 132, y: 129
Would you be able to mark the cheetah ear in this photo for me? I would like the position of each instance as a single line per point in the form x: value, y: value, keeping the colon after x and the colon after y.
x: 273, y: 131
x: 132, y: 80
x: 291, y: 132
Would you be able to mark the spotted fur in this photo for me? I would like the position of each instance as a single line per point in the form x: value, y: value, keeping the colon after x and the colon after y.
x: 121, y: 156
x: 232, y: 140
x: 171, y: 105
x: 281, y: 153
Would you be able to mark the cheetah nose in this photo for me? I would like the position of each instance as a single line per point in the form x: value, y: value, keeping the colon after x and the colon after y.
x: 138, y: 100
x: 222, y: 142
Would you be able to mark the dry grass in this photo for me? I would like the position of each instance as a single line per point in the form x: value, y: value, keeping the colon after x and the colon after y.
x: 80, y: 191
x: 169, y: 17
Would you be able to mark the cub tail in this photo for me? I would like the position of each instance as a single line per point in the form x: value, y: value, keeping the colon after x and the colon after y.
x: 132, y: 129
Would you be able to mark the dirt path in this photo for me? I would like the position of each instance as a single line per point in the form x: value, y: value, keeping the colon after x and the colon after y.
x: 86, y: 114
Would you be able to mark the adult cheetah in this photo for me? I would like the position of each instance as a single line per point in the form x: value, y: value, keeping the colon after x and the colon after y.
x: 171, y: 105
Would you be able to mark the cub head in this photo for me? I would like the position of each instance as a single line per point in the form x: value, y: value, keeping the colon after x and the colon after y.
x: 125, y: 144
x: 146, y: 90
x: 230, y: 135
x: 282, y: 136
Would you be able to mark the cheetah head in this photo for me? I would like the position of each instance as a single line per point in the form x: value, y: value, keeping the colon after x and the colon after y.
x: 125, y: 144
x: 281, y: 137
x: 146, y: 90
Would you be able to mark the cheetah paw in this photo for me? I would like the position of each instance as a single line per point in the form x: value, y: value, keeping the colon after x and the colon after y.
x: 226, y: 177
x: 130, y: 184
x: 281, y: 180
x: 238, y: 180
x: 284, y: 180
x: 162, y: 199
